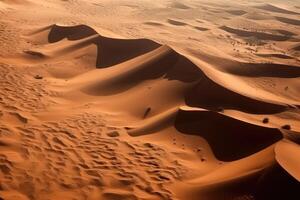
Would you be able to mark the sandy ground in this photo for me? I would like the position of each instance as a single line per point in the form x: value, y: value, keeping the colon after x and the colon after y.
x: 124, y: 100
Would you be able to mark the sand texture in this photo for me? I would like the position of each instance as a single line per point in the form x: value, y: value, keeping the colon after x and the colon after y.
x: 149, y: 100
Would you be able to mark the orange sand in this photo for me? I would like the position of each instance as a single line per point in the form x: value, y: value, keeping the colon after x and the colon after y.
x: 125, y: 100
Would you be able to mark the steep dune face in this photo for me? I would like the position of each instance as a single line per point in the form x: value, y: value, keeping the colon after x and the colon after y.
x: 260, y: 36
x: 240, y: 139
x: 122, y: 74
x: 110, y: 51
x: 204, y: 109
x: 283, y: 184
x: 219, y: 98
x: 204, y: 93
x: 283, y: 151
x: 289, y: 21
x: 276, y: 9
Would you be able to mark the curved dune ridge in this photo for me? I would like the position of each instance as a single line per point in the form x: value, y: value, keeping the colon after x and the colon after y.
x: 237, y: 12
x: 112, y: 51
x: 129, y: 63
x: 284, y: 151
x: 220, y: 125
x: 258, y: 35
x: 276, y: 9
x: 240, y: 139
x: 289, y: 21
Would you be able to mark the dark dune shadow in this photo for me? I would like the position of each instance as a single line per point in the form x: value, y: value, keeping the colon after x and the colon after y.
x: 168, y: 65
x: 282, y: 56
x: 163, y: 61
x: 258, y: 35
x: 250, y: 69
x: 237, y: 12
x: 266, y: 70
x: 114, y: 51
x: 201, y: 28
x: 285, y: 32
x: 176, y: 23
x: 58, y: 33
x: 230, y: 139
x: 184, y: 70
x: 179, y: 5
x: 153, y: 23
x: 210, y: 95
x: 110, y: 51
x: 289, y: 21
x: 297, y: 48
x: 276, y: 184
x: 271, y: 8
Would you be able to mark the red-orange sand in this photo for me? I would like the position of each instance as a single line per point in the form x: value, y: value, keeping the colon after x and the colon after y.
x: 149, y: 99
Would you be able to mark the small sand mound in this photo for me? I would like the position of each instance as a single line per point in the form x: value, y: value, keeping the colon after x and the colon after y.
x: 176, y: 23
x: 201, y: 28
x: 237, y: 12
x: 35, y: 54
x: 153, y: 23
x: 113, y: 134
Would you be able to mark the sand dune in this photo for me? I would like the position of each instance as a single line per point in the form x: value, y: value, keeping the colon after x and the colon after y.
x: 283, y: 151
x: 296, y: 48
x: 245, y: 140
x: 237, y: 12
x: 149, y: 100
x: 273, y: 8
x: 289, y: 21
x: 258, y: 35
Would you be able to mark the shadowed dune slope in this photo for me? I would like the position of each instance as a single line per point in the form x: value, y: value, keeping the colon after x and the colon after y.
x: 210, y: 95
x: 258, y: 35
x: 273, y: 8
x: 164, y: 96
x: 289, y: 21
x: 240, y: 139
x: 58, y: 33
x: 131, y: 62
x: 276, y: 183
x: 285, y: 151
x: 110, y: 51
x: 297, y: 48
x: 134, y: 61
x: 149, y: 100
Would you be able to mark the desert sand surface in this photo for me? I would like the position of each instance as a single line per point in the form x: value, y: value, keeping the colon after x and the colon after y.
x: 149, y: 100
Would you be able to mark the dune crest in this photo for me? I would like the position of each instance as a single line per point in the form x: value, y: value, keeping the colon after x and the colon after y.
x: 150, y: 100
